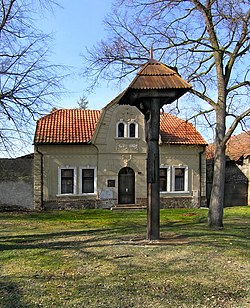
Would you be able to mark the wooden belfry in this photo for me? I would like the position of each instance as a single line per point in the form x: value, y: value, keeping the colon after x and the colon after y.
x: 154, y: 86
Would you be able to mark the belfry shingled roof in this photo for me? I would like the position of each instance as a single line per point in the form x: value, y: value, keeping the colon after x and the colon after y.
x: 74, y: 126
x: 155, y: 75
x: 155, y: 80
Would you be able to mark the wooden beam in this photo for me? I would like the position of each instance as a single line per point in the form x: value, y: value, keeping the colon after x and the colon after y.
x: 152, y: 125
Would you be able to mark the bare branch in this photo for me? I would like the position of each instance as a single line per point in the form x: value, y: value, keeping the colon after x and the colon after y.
x: 235, y: 123
x: 237, y: 86
x: 28, y: 84
x: 204, y: 97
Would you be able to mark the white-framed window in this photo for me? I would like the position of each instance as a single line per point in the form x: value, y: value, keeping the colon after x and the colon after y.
x: 88, y: 180
x: 121, y: 129
x: 66, y: 180
x: 180, y: 179
x: 126, y: 130
x: 132, y: 130
x: 165, y: 179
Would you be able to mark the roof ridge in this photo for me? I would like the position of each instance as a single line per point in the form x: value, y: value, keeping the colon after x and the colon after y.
x: 54, y: 111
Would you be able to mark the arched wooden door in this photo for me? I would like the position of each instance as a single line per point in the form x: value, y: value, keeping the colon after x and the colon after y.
x: 126, y: 186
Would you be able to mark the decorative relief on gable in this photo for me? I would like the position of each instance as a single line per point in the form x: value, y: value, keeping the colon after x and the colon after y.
x: 126, y: 146
x: 126, y: 115
x: 126, y: 160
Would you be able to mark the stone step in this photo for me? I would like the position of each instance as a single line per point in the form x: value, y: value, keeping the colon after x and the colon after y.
x: 128, y: 207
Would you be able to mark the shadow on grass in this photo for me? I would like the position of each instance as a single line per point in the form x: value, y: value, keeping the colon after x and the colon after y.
x: 235, y: 233
x: 131, y: 291
x: 188, y: 228
x: 60, y: 240
x: 10, y: 294
x: 172, y: 233
x: 132, y: 282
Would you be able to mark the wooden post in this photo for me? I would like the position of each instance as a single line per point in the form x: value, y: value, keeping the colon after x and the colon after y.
x: 152, y: 125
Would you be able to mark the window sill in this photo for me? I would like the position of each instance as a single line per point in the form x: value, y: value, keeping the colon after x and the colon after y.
x: 127, y: 138
x: 76, y: 195
x: 174, y: 192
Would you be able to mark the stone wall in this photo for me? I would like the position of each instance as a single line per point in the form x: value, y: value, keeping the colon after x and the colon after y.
x: 70, y: 204
x: 92, y: 203
x: 38, y: 181
x: 16, y: 183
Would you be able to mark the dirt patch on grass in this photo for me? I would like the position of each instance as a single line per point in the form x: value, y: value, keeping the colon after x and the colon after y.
x: 165, y: 240
x: 189, y: 214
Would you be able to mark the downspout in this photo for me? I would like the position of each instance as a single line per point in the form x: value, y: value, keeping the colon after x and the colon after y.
x: 97, y: 171
x: 200, y: 171
x: 41, y: 168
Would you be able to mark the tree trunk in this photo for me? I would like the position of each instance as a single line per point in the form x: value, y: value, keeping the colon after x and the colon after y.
x: 215, y: 215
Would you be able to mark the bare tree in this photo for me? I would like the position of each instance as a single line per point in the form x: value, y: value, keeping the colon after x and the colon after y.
x: 28, y: 83
x: 209, y: 42
x: 83, y: 103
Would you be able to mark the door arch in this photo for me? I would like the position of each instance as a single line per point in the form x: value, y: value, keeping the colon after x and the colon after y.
x: 126, y: 186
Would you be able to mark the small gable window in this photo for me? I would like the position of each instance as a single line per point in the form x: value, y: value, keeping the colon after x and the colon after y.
x: 126, y: 130
x: 121, y: 130
x: 132, y: 130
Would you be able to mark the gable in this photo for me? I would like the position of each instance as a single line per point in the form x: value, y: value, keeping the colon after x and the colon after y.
x: 108, y: 136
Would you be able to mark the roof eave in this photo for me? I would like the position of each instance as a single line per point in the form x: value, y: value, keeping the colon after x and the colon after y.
x: 185, y: 143
x: 167, y: 96
x: 63, y: 143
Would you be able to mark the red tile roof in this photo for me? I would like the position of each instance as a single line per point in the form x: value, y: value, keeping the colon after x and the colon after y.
x: 68, y: 126
x: 174, y: 130
x: 210, y: 151
x: 238, y: 146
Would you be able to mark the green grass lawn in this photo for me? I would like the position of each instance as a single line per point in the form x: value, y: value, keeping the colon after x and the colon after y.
x: 100, y: 258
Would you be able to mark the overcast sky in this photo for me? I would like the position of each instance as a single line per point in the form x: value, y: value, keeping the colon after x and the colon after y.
x: 75, y: 26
